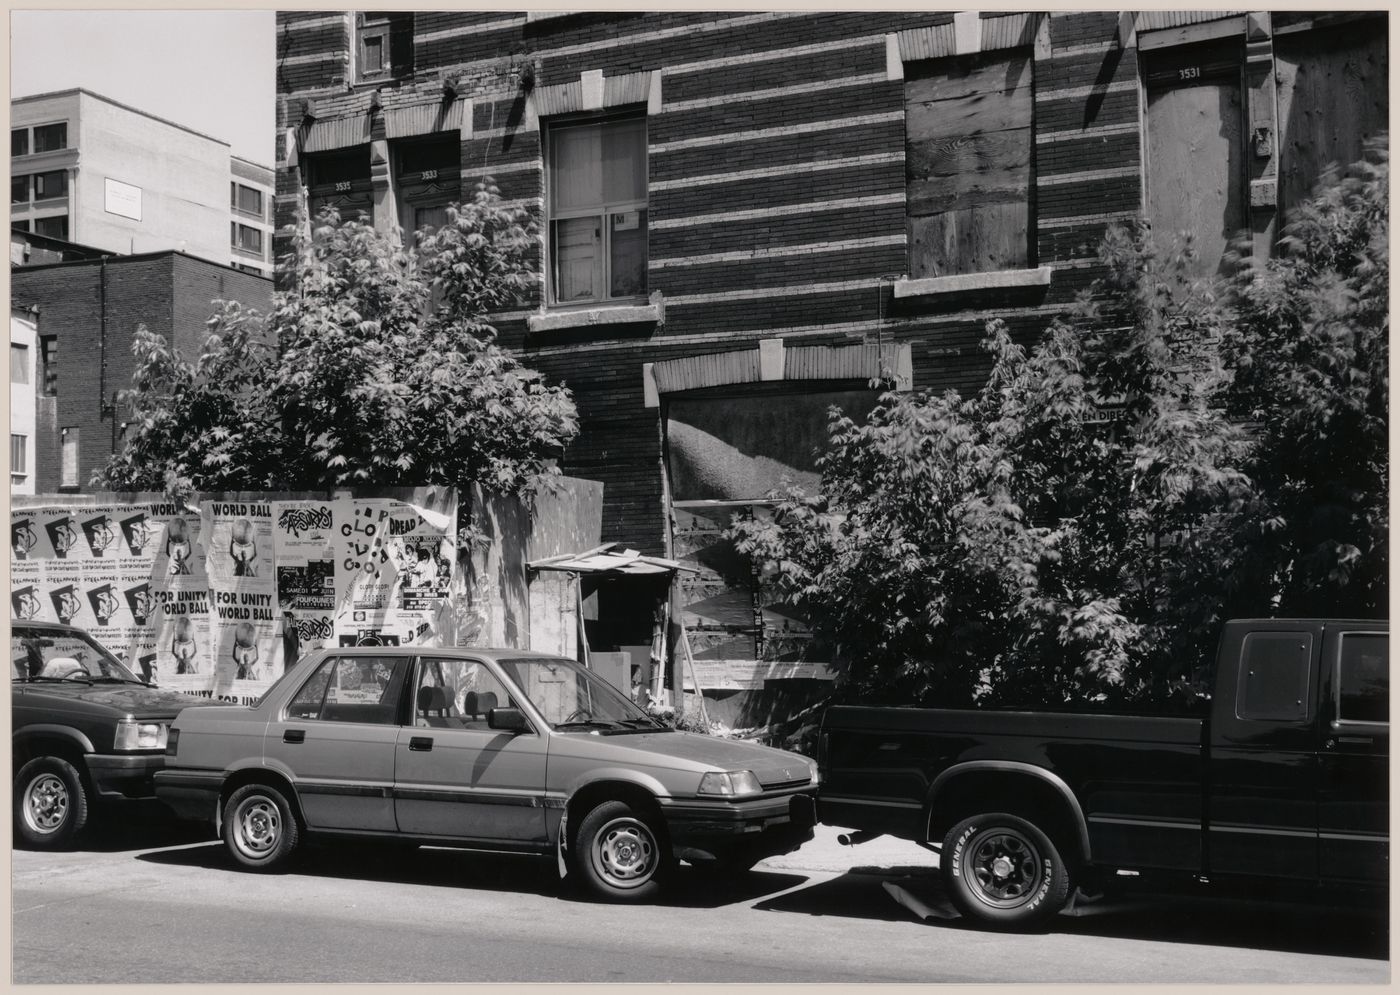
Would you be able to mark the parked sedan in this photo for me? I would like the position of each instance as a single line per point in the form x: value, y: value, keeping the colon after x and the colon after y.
x: 485, y: 749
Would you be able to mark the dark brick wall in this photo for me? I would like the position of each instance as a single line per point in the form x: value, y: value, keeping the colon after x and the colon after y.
x: 169, y: 293
x: 1087, y: 164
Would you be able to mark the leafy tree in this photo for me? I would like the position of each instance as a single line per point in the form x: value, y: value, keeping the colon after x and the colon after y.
x: 376, y: 366
x: 1078, y: 530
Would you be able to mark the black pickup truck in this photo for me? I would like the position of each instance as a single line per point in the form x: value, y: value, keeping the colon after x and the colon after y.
x: 1285, y: 779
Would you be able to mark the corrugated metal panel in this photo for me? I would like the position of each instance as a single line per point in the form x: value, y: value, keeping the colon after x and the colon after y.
x: 1154, y: 20
x: 936, y: 42
x: 632, y: 88
x: 337, y: 133
x: 694, y: 372
x: 424, y: 119
x: 820, y: 362
x: 562, y: 98
x: 1012, y: 31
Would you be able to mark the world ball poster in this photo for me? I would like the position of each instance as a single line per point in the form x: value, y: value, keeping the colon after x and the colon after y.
x: 216, y: 597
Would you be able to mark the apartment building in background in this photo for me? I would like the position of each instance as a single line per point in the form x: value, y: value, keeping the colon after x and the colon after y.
x: 89, y: 170
x: 748, y: 217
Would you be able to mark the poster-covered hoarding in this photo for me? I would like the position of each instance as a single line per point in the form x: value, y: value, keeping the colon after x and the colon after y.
x: 216, y: 597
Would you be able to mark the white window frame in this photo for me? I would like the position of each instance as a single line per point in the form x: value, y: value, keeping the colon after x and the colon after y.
x: 603, y: 212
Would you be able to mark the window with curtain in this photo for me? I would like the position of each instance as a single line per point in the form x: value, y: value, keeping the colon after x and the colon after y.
x: 19, y: 363
x: 19, y: 455
x: 597, y: 210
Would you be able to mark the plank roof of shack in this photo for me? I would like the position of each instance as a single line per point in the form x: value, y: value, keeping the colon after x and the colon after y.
x: 609, y: 558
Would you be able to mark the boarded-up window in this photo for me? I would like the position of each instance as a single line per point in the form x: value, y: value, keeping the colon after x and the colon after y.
x: 68, y: 457
x: 723, y: 457
x: 968, y: 163
x: 1332, y: 97
x: 1196, y: 168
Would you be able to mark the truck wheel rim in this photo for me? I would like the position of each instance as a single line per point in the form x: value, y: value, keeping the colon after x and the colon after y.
x: 1006, y: 868
x: 624, y: 853
x: 46, y: 804
x: 257, y: 827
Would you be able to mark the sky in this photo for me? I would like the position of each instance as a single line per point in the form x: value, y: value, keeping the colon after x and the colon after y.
x: 209, y: 70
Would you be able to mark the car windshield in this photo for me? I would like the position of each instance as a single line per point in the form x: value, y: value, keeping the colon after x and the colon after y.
x: 63, y: 654
x: 570, y: 696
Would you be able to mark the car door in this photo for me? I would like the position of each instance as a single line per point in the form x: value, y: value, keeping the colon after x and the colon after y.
x: 338, y: 734
x: 1353, y: 807
x: 456, y: 777
x: 1263, y: 768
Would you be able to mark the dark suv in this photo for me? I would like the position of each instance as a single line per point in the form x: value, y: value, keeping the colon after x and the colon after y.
x: 83, y: 727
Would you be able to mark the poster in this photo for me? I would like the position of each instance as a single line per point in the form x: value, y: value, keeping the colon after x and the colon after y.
x: 217, y: 597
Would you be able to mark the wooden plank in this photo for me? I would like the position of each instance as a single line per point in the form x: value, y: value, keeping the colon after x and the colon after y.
x: 965, y: 192
x: 971, y: 115
x: 959, y: 154
x: 954, y: 79
x: 974, y: 240
x: 1332, y: 96
x: 1196, y: 169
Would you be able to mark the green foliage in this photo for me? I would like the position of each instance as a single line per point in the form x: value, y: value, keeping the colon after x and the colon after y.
x: 384, y: 372
x: 1164, y: 457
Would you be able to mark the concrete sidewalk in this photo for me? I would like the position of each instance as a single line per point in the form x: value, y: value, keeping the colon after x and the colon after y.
x: 823, y: 853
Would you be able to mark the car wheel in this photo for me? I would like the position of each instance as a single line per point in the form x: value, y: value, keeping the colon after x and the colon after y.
x: 1004, y: 871
x: 619, y: 854
x: 51, y: 804
x: 260, y: 828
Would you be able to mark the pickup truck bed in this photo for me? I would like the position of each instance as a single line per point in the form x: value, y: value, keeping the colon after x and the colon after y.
x: 1285, y: 778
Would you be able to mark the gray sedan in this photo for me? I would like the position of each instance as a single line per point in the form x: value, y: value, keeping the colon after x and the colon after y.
x: 498, y: 750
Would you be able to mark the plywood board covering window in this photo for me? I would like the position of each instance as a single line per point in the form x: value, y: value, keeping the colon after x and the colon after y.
x: 968, y: 163
x: 1196, y: 168
x: 1332, y: 97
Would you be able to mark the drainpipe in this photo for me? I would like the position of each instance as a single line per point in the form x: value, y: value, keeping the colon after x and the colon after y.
x: 103, y: 409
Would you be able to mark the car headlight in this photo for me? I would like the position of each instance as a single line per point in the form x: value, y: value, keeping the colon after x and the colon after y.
x: 732, y: 784
x: 816, y: 772
x: 133, y: 734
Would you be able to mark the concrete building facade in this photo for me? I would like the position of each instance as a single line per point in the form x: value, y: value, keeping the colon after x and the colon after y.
x: 746, y: 217
x: 90, y: 170
x: 81, y: 318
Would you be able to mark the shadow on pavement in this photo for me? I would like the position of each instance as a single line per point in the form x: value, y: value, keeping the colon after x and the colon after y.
x: 140, y: 825
x: 1330, y: 927
x: 368, y: 861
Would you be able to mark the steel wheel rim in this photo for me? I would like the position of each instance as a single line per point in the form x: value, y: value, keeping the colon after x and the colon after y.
x: 46, y: 804
x: 257, y: 827
x: 625, y: 853
x: 1005, y: 868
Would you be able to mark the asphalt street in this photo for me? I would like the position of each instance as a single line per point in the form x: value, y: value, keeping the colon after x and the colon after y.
x: 161, y: 902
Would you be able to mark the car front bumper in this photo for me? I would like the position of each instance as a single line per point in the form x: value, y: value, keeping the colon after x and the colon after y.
x: 747, y: 830
x: 124, y: 775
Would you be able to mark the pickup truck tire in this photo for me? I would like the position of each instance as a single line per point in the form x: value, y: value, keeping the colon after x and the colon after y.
x: 1004, y: 871
x: 620, y: 855
x: 260, y: 828
x: 51, y: 804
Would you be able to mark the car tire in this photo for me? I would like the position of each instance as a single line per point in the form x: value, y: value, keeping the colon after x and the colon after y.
x: 51, y: 804
x: 620, y: 855
x: 1004, y: 871
x: 260, y: 828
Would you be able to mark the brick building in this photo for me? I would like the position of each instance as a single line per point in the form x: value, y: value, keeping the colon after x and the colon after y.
x: 83, y: 315
x: 87, y: 169
x: 746, y: 216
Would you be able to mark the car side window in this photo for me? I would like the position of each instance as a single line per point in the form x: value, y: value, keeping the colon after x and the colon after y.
x: 1274, y: 673
x: 362, y: 689
x: 1363, y: 678
x: 457, y: 694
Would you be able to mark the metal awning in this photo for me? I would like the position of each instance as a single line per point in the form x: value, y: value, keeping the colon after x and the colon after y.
x: 612, y: 559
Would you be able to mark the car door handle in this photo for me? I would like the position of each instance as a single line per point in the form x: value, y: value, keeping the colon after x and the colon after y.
x: 294, y: 736
x: 420, y: 743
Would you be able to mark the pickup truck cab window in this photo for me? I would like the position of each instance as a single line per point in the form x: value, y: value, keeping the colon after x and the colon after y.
x: 1363, y: 678
x: 1274, y: 677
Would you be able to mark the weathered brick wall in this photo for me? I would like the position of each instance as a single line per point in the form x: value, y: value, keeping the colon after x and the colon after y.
x: 168, y: 292
x: 776, y: 195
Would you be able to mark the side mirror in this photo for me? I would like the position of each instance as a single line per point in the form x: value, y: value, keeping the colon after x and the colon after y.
x: 509, y: 719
